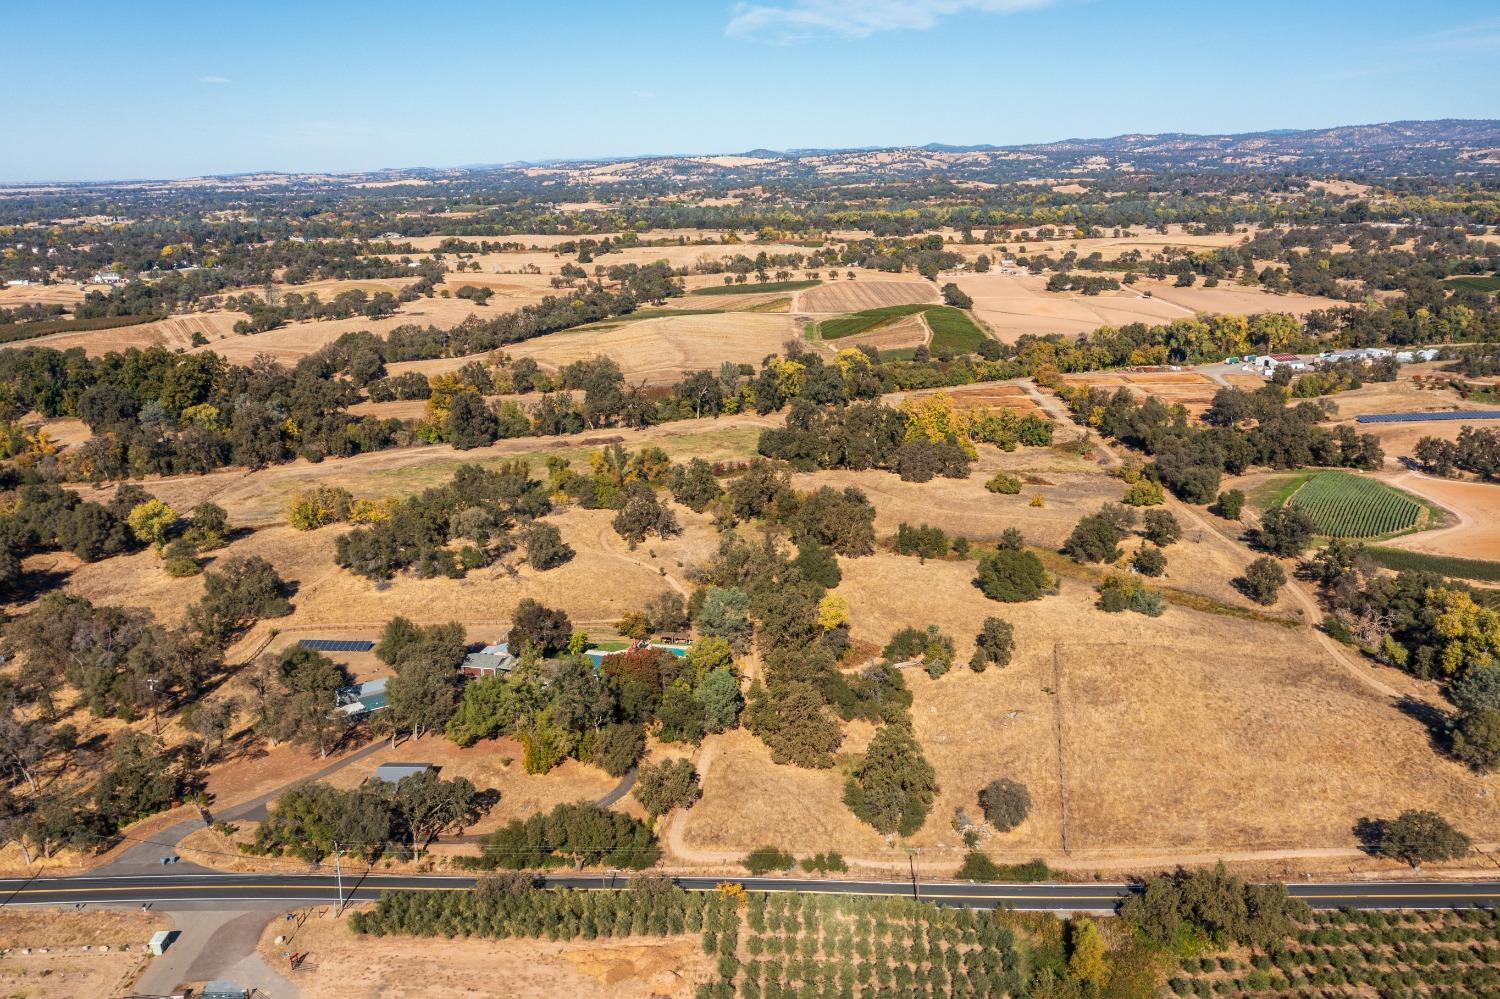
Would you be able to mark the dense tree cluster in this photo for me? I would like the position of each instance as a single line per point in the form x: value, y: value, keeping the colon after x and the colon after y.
x: 1477, y: 451
x: 1243, y: 429
x: 578, y: 835
x: 312, y: 820
x: 479, y: 507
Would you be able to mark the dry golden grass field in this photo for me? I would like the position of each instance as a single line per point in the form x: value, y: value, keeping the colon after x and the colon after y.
x: 1236, y: 300
x: 1147, y: 241
x: 175, y: 333
x: 839, y: 297
x: 340, y: 967
x: 38, y: 294
x: 1013, y: 304
x: 1184, y: 735
x: 656, y: 351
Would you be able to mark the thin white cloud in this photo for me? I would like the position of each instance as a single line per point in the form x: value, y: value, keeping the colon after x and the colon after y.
x: 792, y: 20
x: 216, y: 80
x: 644, y: 95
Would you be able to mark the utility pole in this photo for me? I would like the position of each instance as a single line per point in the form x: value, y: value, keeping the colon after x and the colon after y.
x: 155, y: 718
x: 916, y: 887
x: 338, y: 868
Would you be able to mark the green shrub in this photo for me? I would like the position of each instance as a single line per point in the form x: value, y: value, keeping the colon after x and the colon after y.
x: 1007, y: 485
x: 765, y: 859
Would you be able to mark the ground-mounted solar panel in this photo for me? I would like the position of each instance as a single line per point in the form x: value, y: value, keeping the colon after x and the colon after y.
x: 1465, y: 414
x: 336, y: 645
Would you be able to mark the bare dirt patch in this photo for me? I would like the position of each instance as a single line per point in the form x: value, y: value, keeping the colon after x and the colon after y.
x: 339, y: 965
x: 1188, y: 388
x: 1477, y: 506
x: 76, y: 962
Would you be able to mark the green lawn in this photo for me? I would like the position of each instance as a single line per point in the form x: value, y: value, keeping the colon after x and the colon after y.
x: 755, y: 289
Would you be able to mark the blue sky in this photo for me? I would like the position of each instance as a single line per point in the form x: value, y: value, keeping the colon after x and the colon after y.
x: 170, y: 89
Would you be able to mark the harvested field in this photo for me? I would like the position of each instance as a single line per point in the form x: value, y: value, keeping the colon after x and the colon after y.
x: 1189, y: 388
x: 995, y: 395
x: 1147, y: 241
x: 1012, y: 304
x: 1237, y: 300
x: 174, y: 333
x: 660, y: 351
x: 339, y: 966
x: 67, y: 970
x: 41, y: 294
x: 839, y: 297
x: 906, y: 331
x: 1475, y: 504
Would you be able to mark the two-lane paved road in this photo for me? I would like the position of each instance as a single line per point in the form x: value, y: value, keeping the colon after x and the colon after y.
x: 215, y: 891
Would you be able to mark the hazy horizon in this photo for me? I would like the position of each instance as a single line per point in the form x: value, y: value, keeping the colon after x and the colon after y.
x: 338, y: 87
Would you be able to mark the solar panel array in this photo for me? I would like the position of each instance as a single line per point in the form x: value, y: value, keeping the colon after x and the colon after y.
x: 336, y: 645
x: 1467, y: 414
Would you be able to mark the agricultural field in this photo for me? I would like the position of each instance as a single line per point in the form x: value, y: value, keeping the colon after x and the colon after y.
x: 1345, y: 505
x: 1190, y: 389
x: 175, y: 333
x: 1478, y: 282
x: 839, y: 297
x: 902, y: 333
x: 662, y: 350
x: 1455, y: 952
x: 952, y: 329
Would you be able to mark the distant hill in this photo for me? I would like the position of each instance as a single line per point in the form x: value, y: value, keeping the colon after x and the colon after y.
x: 1444, y: 148
x: 1449, y: 147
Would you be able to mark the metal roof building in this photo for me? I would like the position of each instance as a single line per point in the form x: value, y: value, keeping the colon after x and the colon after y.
x: 393, y: 772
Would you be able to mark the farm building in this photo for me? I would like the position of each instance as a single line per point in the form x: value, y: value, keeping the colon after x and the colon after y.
x: 1424, y: 354
x: 362, y: 698
x: 489, y: 661
x: 391, y: 773
x: 1268, y: 363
